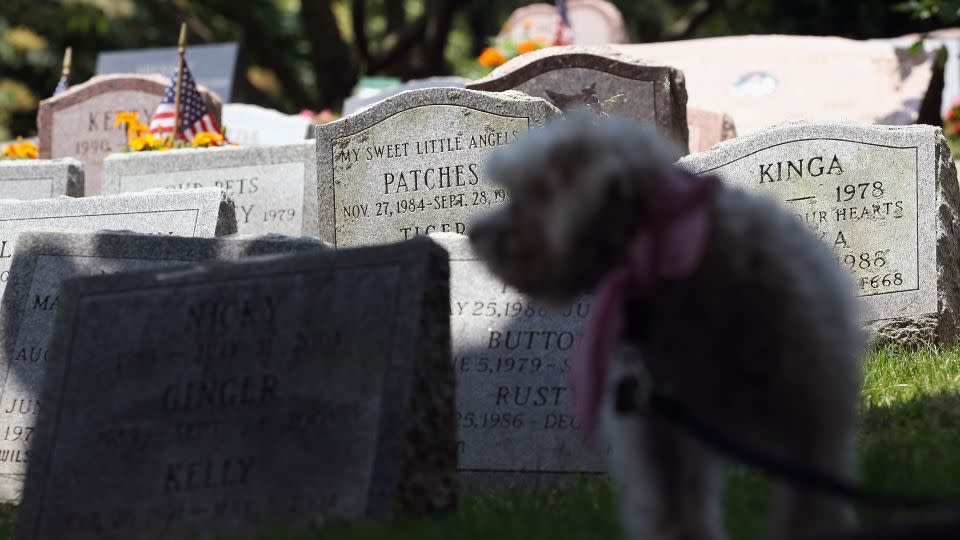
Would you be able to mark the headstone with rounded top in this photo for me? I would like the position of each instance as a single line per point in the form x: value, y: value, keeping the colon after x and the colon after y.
x: 79, y: 122
x: 602, y: 79
x: 885, y: 198
x: 594, y: 22
x: 412, y: 164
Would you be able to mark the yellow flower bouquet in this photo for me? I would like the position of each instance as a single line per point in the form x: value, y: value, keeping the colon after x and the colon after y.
x: 139, y: 138
x: 20, y: 150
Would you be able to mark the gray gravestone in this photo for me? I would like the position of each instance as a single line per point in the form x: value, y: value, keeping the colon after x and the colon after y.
x: 212, y: 65
x: 515, y: 423
x: 274, y: 187
x: 287, y: 390
x: 354, y: 103
x: 40, y: 178
x: 411, y: 164
x: 42, y: 262
x: 884, y: 197
x: 251, y: 124
x: 198, y: 212
x: 602, y: 78
x: 80, y: 122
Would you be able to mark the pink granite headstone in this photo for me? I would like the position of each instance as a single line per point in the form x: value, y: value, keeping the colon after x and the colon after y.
x: 708, y: 128
x: 79, y: 123
x: 594, y: 22
x: 764, y: 80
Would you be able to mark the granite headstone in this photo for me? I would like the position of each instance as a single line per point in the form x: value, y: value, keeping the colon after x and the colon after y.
x: 274, y: 187
x: 764, y: 80
x: 286, y: 390
x: 594, y: 22
x: 79, y: 122
x: 212, y: 65
x: 885, y: 198
x: 252, y: 124
x: 515, y: 422
x: 198, y: 212
x: 411, y: 164
x: 44, y: 260
x: 601, y: 78
x: 28, y: 179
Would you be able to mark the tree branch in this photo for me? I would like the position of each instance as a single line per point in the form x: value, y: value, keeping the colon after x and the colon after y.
x: 358, y: 14
x: 270, y: 55
x: 334, y: 65
x: 170, y: 13
x: 687, y: 25
x: 402, y: 41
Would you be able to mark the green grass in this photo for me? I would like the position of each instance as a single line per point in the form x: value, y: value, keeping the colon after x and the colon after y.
x: 909, y: 442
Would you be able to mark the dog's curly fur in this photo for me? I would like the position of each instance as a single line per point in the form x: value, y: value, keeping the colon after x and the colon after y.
x: 760, y: 341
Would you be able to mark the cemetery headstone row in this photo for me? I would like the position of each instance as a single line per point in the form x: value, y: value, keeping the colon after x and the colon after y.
x: 43, y: 260
x: 79, y: 122
x: 287, y: 390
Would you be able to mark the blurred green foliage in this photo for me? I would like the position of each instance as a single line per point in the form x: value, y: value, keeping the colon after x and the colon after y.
x: 310, y: 53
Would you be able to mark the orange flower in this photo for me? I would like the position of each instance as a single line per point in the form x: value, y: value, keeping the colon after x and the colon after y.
x: 491, y: 57
x: 529, y: 45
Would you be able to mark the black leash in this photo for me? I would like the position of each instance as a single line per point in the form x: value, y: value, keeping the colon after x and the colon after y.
x: 792, y: 472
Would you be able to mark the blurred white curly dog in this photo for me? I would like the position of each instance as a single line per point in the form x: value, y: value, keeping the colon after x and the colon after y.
x: 708, y: 295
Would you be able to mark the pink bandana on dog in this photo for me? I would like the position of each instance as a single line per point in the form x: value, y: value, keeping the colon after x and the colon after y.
x: 669, y: 245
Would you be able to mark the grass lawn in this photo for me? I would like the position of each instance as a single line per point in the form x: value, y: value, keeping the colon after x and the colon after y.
x: 909, y: 442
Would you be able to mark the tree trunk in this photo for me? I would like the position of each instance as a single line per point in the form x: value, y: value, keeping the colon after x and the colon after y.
x: 334, y: 65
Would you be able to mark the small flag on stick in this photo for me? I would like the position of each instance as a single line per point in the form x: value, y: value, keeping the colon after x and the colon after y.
x: 64, y: 82
x: 182, y: 112
x: 563, y: 34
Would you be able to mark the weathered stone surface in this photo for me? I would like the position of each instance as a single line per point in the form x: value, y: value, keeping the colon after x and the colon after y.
x: 289, y: 390
x: 708, y: 128
x: 251, y: 124
x: 594, y: 22
x: 601, y: 76
x: 765, y: 80
x: 411, y: 164
x: 198, y: 212
x: 42, y: 262
x: 515, y: 422
x: 79, y: 123
x: 274, y: 187
x: 886, y: 198
x: 40, y: 178
x: 355, y: 103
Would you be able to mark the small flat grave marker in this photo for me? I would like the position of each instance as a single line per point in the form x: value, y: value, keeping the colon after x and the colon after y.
x: 599, y: 77
x: 42, y: 262
x: 288, y: 390
x: 79, y: 122
x: 411, y: 164
x: 885, y: 198
x: 199, y: 212
x: 274, y: 187
x: 515, y: 422
x: 40, y: 178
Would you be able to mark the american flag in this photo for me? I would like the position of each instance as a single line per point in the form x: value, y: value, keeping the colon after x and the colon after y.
x: 563, y: 34
x: 62, y: 85
x: 194, y: 117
